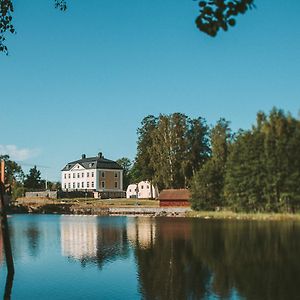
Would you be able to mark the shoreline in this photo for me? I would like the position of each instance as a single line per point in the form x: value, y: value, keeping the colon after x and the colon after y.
x: 111, y: 208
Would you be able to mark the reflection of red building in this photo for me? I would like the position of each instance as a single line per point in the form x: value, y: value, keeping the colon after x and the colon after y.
x: 174, y: 197
x: 179, y: 228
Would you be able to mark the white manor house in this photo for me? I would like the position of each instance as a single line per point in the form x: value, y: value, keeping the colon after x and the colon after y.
x: 97, y: 174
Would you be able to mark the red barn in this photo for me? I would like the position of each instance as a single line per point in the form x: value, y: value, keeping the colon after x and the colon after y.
x: 174, y: 197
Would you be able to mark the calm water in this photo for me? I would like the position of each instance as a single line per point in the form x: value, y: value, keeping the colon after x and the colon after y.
x: 86, y: 257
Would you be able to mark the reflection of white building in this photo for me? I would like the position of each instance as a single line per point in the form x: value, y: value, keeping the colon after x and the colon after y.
x: 141, y: 231
x: 142, y: 190
x: 78, y: 237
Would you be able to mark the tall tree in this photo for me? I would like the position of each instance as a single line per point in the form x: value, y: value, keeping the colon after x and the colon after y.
x: 33, y: 179
x: 144, y: 149
x: 208, y: 183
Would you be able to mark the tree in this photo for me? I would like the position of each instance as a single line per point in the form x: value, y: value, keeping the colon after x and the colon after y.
x: 214, y: 15
x: 142, y: 166
x: 33, y: 179
x: 170, y: 149
x: 126, y: 164
x: 208, y: 183
x: 13, y: 171
x: 262, y: 171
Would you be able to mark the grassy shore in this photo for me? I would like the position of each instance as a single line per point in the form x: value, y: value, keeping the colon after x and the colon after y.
x: 119, y: 202
x: 243, y: 216
x: 91, y: 203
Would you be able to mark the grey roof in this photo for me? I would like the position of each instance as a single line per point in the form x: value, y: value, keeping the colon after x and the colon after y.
x: 94, y: 163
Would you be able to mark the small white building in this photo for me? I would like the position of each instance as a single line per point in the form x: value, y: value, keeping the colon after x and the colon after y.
x: 141, y: 190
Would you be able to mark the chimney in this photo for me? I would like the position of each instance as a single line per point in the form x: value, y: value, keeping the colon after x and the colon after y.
x: 83, y: 156
x: 100, y: 155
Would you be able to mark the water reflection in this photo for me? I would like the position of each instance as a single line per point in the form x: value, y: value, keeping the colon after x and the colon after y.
x: 141, y: 232
x: 78, y: 237
x: 93, y: 240
x: 170, y: 258
x: 197, y: 259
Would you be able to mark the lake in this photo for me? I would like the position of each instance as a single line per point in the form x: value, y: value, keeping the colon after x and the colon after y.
x: 89, y: 257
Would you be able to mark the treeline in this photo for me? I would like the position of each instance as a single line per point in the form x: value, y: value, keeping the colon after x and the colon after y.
x: 252, y: 170
x: 20, y: 182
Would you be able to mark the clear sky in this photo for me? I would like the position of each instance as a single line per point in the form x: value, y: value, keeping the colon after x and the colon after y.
x: 81, y: 81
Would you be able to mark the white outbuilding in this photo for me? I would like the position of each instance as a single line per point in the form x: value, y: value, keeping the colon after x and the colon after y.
x: 142, y: 190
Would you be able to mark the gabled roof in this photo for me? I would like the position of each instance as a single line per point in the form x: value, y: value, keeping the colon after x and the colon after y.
x: 97, y: 162
x: 174, y: 195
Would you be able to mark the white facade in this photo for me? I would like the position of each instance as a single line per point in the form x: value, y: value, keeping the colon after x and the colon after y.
x: 141, y: 190
x: 90, y: 174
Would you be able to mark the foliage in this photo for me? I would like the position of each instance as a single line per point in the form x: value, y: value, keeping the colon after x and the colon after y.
x: 214, y: 15
x: 219, y: 14
x: 170, y: 149
x: 208, y: 183
x: 125, y: 163
x: 33, y: 179
x: 6, y: 17
x: 258, y: 170
x: 13, y: 171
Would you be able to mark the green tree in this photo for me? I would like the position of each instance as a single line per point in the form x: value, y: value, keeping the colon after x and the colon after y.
x: 263, y: 168
x: 33, y: 179
x: 13, y: 171
x: 208, y: 183
x: 198, y: 145
x: 126, y: 164
x: 143, y: 168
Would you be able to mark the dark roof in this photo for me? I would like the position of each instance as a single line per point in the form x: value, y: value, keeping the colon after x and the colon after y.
x: 97, y: 162
x: 174, y: 195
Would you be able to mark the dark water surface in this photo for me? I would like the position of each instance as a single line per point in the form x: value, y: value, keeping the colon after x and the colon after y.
x: 87, y: 257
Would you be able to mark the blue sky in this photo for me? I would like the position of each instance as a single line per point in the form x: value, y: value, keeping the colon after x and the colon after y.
x: 81, y: 81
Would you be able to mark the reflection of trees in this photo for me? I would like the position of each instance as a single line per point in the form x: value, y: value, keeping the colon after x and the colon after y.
x: 258, y: 259
x: 192, y: 258
x: 168, y: 268
x: 33, y: 236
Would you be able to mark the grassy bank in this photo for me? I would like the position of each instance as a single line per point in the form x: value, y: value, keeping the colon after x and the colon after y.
x: 243, y: 216
x: 85, y: 202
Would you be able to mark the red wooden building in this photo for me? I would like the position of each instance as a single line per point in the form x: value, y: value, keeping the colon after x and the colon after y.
x: 174, y: 197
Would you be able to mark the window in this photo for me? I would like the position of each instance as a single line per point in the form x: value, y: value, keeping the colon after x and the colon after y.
x: 92, y: 174
x: 82, y: 184
x: 65, y: 185
x: 116, y: 174
x: 130, y: 190
x: 142, y: 187
x: 69, y: 175
x: 87, y: 184
x: 82, y: 175
x: 77, y: 167
x: 73, y: 185
x: 74, y: 175
x: 69, y: 185
x: 78, y: 175
x: 116, y: 184
x: 65, y: 176
x: 92, y: 184
x: 87, y: 174
x: 103, y: 184
x: 103, y: 174
x: 78, y: 185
